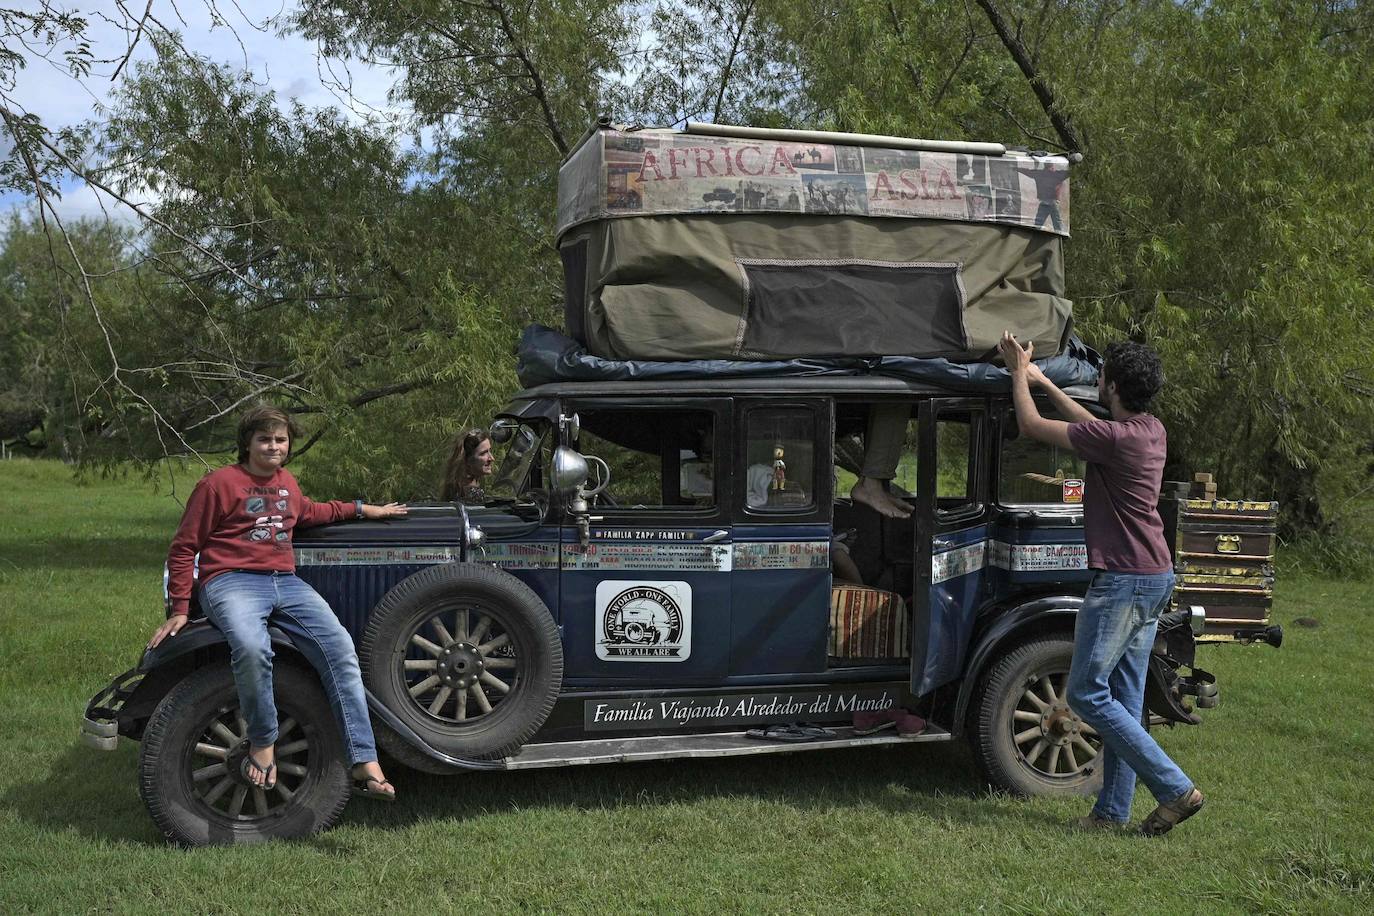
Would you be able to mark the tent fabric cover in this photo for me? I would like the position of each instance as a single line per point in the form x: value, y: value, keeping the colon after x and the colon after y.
x: 683, y: 246
x: 545, y: 356
x: 679, y: 287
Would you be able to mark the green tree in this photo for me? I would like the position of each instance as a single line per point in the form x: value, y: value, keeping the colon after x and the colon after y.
x: 1219, y: 224
x: 50, y: 339
x: 1216, y: 214
x: 295, y: 257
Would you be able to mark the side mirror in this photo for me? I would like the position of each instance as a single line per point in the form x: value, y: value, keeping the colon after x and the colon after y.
x: 569, y: 470
x: 502, y: 429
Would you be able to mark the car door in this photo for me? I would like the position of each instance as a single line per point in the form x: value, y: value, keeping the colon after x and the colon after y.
x: 646, y: 598
x: 951, y: 538
x: 783, y: 500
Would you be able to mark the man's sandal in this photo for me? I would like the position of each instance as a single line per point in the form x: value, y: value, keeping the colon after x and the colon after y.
x: 269, y: 780
x: 371, y: 787
x: 1170, y: 814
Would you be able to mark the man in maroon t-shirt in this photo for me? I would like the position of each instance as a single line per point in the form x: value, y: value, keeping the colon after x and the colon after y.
x: 1132, y: 572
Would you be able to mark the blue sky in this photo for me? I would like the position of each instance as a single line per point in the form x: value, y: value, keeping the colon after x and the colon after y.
x: 246, y: 37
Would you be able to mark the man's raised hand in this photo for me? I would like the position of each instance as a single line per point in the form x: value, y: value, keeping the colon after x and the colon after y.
x: 1017, y: 360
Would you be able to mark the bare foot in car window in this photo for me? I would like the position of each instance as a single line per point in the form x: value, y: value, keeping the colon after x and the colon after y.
x: 869, y: 492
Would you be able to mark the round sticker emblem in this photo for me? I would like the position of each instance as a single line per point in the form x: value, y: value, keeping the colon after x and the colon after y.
x: 644, y: 622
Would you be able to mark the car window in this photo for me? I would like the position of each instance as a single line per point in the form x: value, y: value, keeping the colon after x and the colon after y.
x: 1036, y: 474
x: 855, y: 426
x: 780, y: 462
x: 658, y: 459
x: 956, y: 444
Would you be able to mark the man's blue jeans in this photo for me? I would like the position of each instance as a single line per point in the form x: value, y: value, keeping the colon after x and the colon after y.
x: 1111, y: 654
x: 241, y: 604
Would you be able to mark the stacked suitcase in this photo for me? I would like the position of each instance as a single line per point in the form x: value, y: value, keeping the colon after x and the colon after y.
x: 1223, y: 558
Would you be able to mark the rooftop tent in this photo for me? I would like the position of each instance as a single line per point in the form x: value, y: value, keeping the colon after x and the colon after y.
x: 681, y: 245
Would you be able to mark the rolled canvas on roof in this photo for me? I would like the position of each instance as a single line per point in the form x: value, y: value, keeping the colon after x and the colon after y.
x: 648, y: 172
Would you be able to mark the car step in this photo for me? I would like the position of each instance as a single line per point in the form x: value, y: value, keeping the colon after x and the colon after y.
x: 673, y: 747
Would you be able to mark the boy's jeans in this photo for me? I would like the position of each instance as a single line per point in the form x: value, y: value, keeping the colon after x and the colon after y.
x: 1111, y: 653
x: 241, y: 604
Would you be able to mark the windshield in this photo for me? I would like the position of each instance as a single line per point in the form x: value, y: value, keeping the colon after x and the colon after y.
x: 521, y: 468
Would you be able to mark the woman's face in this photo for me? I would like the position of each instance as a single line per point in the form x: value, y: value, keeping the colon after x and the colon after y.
x: 480, y: 462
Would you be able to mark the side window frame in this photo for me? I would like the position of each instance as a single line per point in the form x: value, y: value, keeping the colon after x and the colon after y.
x: 668, y: 516
x: 1004, y: 420
x: 976, y: 474
x: 822, y: 483
x: 976, y: 485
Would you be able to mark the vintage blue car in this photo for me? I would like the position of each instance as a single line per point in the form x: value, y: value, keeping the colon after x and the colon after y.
x: 671, y: 564
x: 657, y: 573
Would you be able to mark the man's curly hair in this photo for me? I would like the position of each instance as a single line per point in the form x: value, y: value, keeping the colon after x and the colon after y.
x: 1136, y: 371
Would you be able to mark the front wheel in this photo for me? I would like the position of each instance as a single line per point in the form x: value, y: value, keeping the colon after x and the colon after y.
x: 194, y: 744
x: 1026, y: 739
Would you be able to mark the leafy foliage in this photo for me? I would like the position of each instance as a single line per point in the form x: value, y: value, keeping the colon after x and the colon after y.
x: 377, y: 287
x: 1215, y: 216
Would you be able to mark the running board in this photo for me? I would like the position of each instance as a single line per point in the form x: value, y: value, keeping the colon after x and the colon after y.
x: 675, y: 747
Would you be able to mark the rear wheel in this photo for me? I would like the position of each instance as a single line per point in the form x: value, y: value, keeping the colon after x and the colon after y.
x: 1026, y: 739
x: 195, y: 742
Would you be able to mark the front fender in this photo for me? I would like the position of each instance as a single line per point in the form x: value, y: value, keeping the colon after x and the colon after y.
x: 1044, y: 612
x: 199, y: 634
x: 126, y: 703
x: 167, y: 663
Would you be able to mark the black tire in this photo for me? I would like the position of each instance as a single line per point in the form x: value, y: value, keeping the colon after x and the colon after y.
x: 189, y: 765
x: 468, y: 657
x: 1025, y: 738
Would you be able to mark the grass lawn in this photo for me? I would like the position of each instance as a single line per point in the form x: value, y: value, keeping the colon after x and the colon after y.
x: 1287, y: 761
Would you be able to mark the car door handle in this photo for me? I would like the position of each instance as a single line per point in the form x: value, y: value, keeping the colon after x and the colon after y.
x: 941, y: 544
x: 720, y: 535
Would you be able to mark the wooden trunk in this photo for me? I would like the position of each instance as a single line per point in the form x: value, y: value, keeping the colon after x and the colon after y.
x: 1224, y: 562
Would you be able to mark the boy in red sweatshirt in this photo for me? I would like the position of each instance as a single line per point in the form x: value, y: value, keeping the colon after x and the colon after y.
x: 239, y: 520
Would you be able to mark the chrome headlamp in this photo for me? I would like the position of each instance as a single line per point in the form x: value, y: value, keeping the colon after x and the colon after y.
x: 473, y: 537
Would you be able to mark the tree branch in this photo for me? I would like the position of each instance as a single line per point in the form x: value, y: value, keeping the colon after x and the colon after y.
x: 356, y: 401
x: 730, y: 60
x: 1063, y: 126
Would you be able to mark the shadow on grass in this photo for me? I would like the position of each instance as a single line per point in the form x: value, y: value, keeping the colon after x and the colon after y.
x: 934, y: 781
x: 93, y: 793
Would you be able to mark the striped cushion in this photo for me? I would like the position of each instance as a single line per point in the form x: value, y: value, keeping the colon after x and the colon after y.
x: 867, y: 623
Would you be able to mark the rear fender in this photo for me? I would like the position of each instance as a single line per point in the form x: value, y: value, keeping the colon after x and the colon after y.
x: 1165, y: 688
x: 1052, y: 612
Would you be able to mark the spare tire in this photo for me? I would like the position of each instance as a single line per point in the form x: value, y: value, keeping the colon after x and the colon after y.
x: 467, y: 656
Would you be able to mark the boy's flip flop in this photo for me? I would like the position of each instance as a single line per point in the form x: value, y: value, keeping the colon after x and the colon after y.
x: 795, y: 733
x: 269, y: 781
x: 371, y: 787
